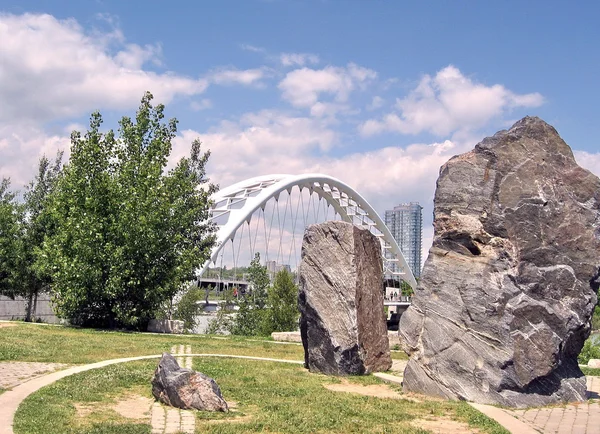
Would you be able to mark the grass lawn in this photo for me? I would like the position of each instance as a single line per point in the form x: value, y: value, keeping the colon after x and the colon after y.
x: 268, y: 397
x: 595, y: 372
x: 39, y: 343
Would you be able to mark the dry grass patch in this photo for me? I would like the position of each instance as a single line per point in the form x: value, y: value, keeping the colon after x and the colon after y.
x: 376, y: 390
x: 134, y: 407
x: 130, y: 406
x: 7, y: 324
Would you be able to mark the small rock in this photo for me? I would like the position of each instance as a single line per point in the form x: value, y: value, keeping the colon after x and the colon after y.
x: 342, y: 321
x: 594, y: 363
x: 185, y: 388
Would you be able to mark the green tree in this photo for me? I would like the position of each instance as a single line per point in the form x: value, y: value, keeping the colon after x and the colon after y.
x: 36, y: 225
x: 10, y: 238
x: 283, y: 310
x: 128, y: 234
x: 250, y: 317
x: 187, y: 307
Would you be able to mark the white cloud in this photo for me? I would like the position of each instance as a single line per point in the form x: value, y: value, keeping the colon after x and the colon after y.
x: 21, y: 148
x: 376, y: 103
x: 236, y: 76
x: 588, y: 161
x: 298, y: 59
x: 259, y: 143
x: 51, y: 69
x: 303, y: 87
x: 449, y: 102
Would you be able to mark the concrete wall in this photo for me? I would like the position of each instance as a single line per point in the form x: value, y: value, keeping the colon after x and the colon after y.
x: 17, y: 309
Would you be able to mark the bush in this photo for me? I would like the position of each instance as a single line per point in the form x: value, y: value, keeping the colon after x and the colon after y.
x: 589, y: 351
x: 282, y: 311
x: 187, y: 308
x: 224, y: 321
x: 596, y: 319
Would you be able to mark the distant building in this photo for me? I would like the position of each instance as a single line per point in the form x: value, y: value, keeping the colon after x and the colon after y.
x: 405, y: 222
x: 273, y: 268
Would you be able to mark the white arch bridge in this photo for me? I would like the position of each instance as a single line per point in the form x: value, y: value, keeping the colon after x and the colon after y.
x: 237, y: 206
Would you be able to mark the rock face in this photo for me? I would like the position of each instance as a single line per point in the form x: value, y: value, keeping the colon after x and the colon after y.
x: 184, y: 388
x: 505, y: 298
x: 342, y: 322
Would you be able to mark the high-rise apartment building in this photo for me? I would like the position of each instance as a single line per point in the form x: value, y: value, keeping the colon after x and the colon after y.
x: 405, y: 222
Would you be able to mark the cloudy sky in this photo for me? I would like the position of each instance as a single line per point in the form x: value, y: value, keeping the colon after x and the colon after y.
x: 376, y: 93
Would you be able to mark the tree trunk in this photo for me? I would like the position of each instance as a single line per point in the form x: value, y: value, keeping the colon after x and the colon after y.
x: 30, y: 306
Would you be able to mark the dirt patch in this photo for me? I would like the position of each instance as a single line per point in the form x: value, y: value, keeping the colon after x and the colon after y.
x: 444, y: 426
x: 130, y: 407
x: 84, y: 410
x: 7, y: 324
x: 376, y: 390
x: 134, y: 407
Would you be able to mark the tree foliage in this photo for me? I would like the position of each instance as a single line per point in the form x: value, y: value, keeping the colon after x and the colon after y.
x: 283, y: 310
x: 36, y: 225
x: 268, y: 308
x: 10, y: 238
x: 128, y: 233
x: 250, y: 317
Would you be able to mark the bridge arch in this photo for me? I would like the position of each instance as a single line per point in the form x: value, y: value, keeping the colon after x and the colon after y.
x: 235, y: 205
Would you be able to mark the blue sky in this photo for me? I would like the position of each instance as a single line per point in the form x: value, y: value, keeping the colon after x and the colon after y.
x: 376, y: 93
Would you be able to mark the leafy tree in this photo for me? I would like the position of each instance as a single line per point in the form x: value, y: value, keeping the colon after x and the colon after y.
x: 128, y: 233
x: 223, y: 322
x: 187, y: 308
x: 406, y: 289
x: 250, y: 317
x: 36, y: 225
x: 10, y: 236
x: 283, y: 304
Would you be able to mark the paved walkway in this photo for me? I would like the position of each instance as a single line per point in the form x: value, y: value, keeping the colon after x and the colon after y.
x: 15, y: 373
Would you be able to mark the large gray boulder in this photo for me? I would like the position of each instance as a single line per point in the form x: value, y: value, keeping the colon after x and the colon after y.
x: 342, y: 321
x: 184, y: 388
x: 505, y: 298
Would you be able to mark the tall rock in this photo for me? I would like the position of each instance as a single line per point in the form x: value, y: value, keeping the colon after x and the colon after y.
x: 342, y: 321
x: 505, y: 298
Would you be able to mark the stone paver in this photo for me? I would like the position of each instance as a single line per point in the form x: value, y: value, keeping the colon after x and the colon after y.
x: 169, y: 420
x: 15, y: 373
x: 183, y: 355
x: 579, y: 418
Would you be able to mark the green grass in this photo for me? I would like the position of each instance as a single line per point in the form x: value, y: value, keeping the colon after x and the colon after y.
x: 270, y: 397
x: 35, y: 343
x: 591, y: 371
x: 51, y: 409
